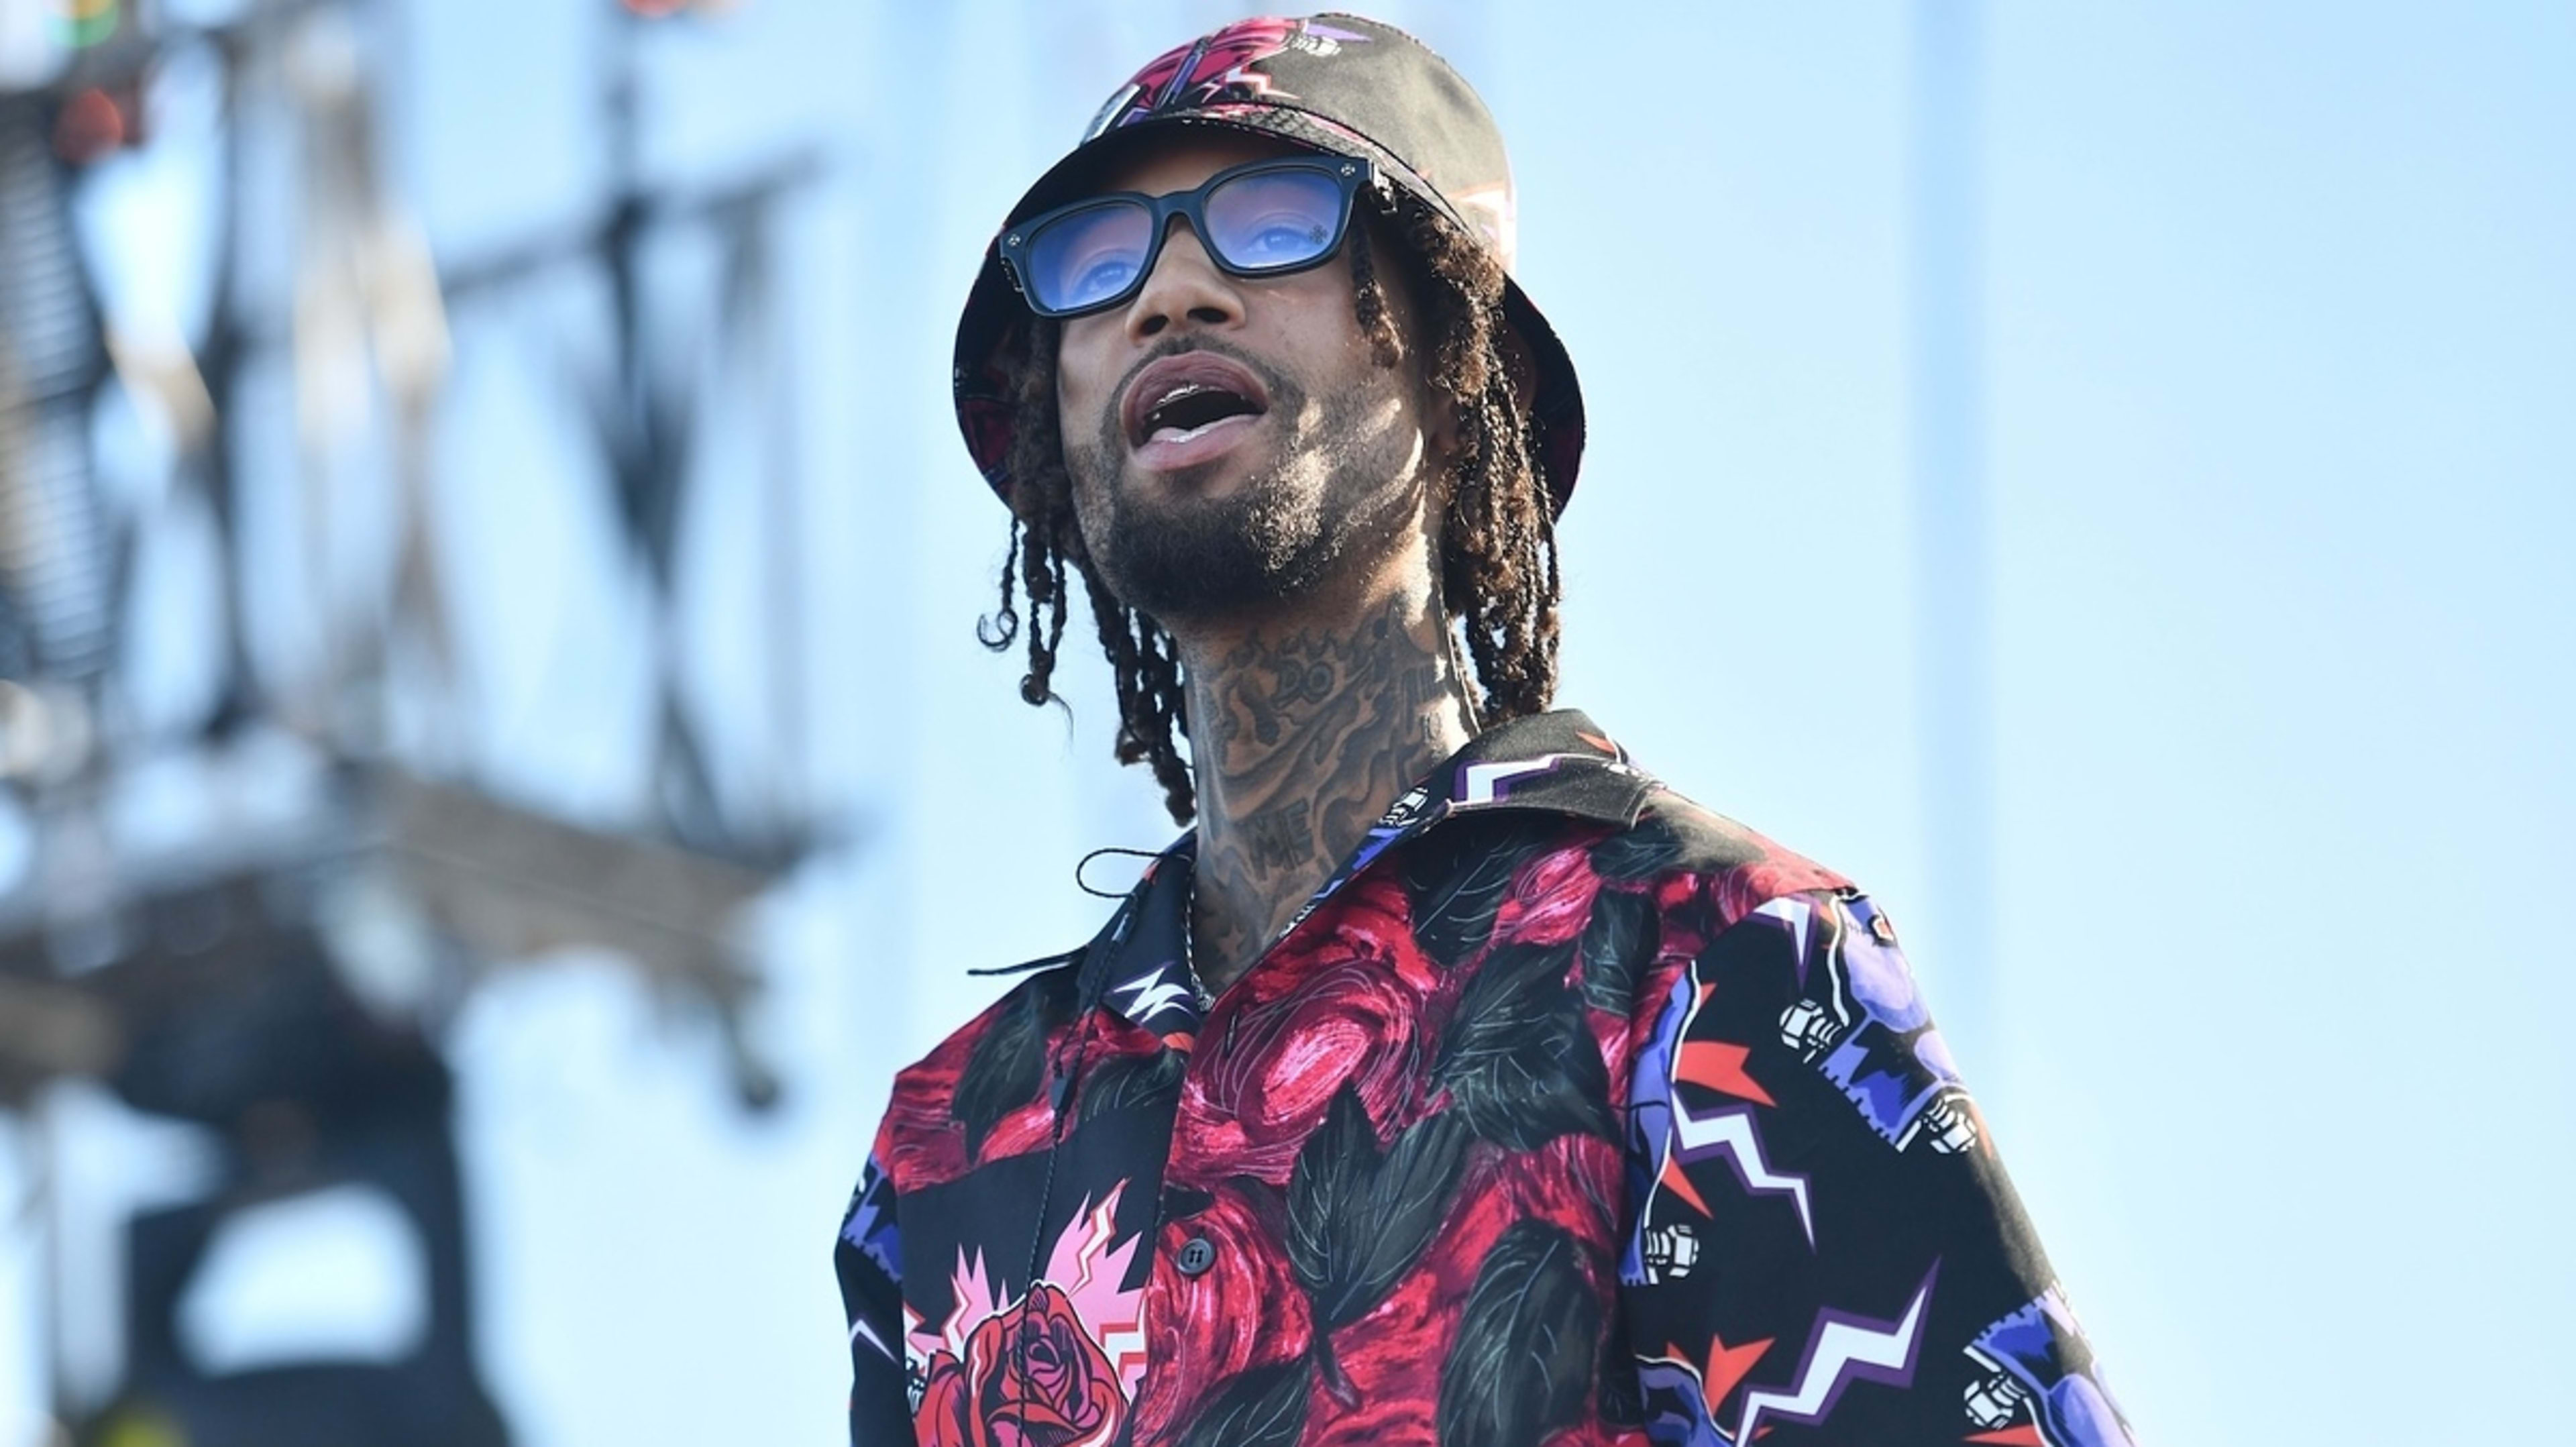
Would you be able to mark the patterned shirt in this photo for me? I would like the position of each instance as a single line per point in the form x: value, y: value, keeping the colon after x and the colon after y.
x: 1566, y: 1112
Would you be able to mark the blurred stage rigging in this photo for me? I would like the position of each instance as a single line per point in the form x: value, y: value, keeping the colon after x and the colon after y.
x: 279, y: 977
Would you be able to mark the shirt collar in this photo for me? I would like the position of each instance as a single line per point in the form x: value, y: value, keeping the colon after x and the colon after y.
x: 1560, y: 762
x: 1556, y: 763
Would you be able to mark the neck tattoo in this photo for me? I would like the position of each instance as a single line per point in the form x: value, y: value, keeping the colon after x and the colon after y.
x: 1299, y: 740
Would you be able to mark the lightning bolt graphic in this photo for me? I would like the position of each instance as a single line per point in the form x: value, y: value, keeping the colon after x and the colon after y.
x: 860, y: 1328
x: 1088, y: 1272
x: 1846, y: 1349
x: 1718, y: 1065
x: 1794, y: 913
x: 1730, y: 1133
x: 1151, y: 994
x: 1482, y: 782
x: 973, y: 1299
x: 1097, y: 1226
x: 1484, y: 779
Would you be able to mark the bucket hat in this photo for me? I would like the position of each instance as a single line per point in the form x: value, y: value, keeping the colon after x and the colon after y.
x: 1338, y: 84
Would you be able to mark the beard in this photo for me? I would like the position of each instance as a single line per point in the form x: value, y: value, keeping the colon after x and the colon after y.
x: 1336, y: 479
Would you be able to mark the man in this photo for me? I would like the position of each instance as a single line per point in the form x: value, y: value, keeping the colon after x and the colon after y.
x: 1454, y: 1081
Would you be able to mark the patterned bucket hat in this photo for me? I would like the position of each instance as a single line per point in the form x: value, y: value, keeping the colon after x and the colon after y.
x: 1339, y: 84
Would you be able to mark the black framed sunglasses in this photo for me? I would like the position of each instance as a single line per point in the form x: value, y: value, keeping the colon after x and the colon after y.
x: 1263, y: 218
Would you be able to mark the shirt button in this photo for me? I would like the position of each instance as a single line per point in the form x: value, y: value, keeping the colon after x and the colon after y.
x: 1196, y: 1256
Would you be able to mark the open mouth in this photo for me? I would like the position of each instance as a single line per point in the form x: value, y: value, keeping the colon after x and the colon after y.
x: 1181, y: 398
x: 1189, y: 409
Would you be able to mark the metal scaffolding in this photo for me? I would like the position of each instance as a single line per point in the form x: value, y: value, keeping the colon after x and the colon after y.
x: 215, y: 980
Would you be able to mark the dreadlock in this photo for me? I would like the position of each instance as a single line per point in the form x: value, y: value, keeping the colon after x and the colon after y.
x: 1498, y: 563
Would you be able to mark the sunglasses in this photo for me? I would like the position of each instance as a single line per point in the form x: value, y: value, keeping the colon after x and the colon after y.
x: 1264, y: 218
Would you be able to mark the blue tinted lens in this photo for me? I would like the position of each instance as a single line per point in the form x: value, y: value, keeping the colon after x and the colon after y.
x: 1269, y: 220
x: 1089, y: 256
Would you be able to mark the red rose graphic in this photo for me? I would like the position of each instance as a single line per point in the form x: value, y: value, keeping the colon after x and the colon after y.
x: 1245, y: 1311
x: 925, y: 1146
x: 1394, y: 1355
x: 944, y: 1417
x: 1032, y: 1377
x: 1551, y: 899
x: 1344, y: 1007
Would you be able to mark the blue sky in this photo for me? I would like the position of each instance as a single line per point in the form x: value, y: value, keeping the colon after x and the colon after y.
x: 2276, y: 329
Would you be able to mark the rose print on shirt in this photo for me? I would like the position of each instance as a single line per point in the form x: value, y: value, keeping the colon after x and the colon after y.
x: 1055, y: 1368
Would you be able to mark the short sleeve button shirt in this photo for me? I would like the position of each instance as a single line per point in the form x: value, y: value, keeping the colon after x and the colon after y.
x: 1566, y: 1112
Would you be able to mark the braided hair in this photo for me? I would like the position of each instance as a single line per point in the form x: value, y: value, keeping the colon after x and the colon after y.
x: 1498, y: 562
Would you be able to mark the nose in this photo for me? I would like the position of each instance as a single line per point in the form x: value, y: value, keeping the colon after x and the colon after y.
x: 1185, y: 285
